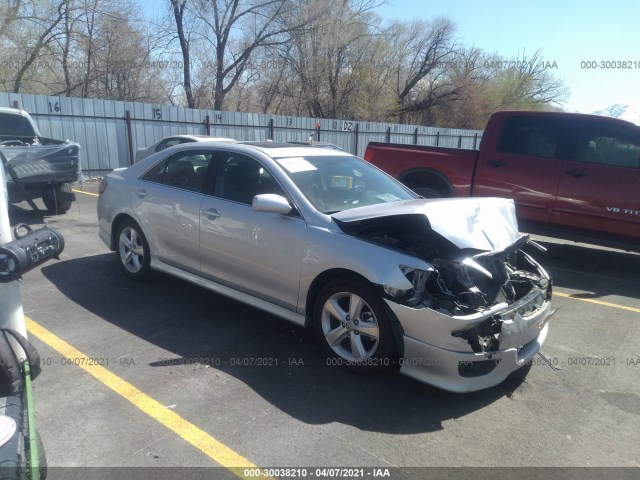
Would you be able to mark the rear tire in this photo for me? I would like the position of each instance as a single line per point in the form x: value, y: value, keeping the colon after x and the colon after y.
x: 352, y: 326
x: 57, y: 200
x: 132, y: 250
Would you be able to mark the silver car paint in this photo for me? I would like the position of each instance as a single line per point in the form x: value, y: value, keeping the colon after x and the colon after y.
x: 431, y: 353
x: 170, y: 218
x: 480, y: 223
x: 235, y: 240
x: 437, y: 366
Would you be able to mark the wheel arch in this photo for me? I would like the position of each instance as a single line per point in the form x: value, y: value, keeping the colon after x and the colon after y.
x: 115, y: 225
x: 428, y: 177
x: 332, y: 274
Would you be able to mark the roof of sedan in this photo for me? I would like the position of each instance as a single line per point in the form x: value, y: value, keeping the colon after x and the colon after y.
x: 280, y: 150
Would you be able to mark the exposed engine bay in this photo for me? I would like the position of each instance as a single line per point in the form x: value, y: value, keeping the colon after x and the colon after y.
x: 461, y: 282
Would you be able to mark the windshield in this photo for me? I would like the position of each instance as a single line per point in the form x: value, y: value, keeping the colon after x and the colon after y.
x: 336, y: 183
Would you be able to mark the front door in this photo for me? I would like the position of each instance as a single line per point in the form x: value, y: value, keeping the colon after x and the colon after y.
x: 524, y: 166
x: 255, y: 252
x: 600, y: 180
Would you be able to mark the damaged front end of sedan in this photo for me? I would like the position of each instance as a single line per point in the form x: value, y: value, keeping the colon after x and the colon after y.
x: 479, y: 308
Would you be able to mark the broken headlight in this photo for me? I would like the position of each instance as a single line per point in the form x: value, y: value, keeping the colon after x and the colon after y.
x: 414, y: 296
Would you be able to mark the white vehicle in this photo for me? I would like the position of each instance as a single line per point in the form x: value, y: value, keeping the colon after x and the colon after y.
x: 176, y: 140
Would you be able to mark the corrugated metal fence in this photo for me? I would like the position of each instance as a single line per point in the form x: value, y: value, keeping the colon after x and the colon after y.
x: 109, y: 131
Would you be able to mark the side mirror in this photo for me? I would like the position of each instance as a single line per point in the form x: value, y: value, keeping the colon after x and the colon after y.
x: 271, y: 203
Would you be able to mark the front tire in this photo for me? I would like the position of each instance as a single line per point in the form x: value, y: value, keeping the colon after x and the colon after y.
x: 132, y: 250
x: 352, y: 326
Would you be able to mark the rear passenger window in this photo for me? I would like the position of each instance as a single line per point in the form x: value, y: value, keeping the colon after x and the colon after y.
x: 185, y: 170
x: 531, y: 136
x: 599, y: 143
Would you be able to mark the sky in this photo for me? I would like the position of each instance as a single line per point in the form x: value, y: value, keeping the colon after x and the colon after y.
x: 569, y: 33
x: 573, y: 35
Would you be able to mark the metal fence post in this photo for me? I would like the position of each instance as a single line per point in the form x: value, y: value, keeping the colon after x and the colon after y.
x: 415, y: 136
x: 438, y: 139
x: 459, y: 141
x: 356, y: 132
x: 271, y: 129
x: 388, y: 134
x: 475, y: 141
x: 130, y: 137
x: 207, y: 123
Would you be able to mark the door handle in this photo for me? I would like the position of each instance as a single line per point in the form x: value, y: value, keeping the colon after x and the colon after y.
x: 210, y: 212
x: 575, y: 172
x: 496, y: 163
x: 141, y: 192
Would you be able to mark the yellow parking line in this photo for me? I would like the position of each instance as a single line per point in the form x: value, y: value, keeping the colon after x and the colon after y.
x: 597, y: 302
x: 200, y: 439
x: 85, y: 193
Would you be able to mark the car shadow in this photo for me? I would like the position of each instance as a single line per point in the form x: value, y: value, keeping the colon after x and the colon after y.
x: 595, y: 271
x: 195, y: 324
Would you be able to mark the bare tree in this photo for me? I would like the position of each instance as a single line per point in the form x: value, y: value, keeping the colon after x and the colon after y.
x: 530, y: 81
x: 178, y: 7
x: 235, y: 29
x: 423, y: 51
x: 489, y: 83
x: 9, y: 13
x: 330, y: 57
x: 47, y: 35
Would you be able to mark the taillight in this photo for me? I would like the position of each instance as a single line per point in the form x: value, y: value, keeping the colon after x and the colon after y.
x: 103, y: 186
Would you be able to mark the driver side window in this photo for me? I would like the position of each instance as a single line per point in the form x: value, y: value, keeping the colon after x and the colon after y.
x: 240, y: 178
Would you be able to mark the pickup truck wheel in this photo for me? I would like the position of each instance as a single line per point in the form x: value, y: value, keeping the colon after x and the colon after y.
x: 133, y: 250
x: 351, y: 324
x: 57, y: 200
x: 428, y: 192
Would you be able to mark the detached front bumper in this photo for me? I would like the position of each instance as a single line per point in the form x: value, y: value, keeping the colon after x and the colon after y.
x: 436, y: 353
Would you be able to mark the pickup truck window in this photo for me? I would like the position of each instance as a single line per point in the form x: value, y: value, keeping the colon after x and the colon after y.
x: 13, y: 126
x: 592, y: 142
x: 530, y: 136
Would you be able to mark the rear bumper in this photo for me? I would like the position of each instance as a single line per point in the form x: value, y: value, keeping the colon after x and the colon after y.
x: 105, y: 236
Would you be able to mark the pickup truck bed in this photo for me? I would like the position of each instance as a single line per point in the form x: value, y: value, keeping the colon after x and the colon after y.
x: 44, y: 167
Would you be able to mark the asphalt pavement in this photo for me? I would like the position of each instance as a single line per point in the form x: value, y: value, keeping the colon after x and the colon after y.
x: 228, y: 379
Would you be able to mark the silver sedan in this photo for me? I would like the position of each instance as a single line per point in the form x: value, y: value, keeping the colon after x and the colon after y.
x: 440, y: 290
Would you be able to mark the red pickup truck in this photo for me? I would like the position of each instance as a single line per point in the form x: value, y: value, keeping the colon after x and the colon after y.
x: 570, y: 175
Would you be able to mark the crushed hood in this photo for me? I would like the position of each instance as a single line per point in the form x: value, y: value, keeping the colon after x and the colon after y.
x: 487, y: 224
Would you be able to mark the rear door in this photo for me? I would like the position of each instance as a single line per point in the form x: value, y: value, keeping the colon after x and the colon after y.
x: 600, y: 181
x: 522, y: 163
x: 167, y: 202
x: 255, y: 252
